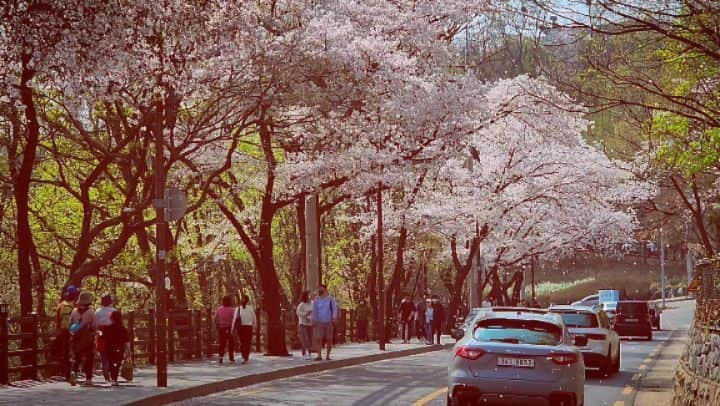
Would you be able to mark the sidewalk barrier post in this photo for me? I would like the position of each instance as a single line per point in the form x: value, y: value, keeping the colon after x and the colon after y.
x: 151, y: 345
x: 208, y: 332
x: 4, y: 378
x: 342, y: 326
x: 131, y: 334
x: 32, y: 327
x: 197, y: 327
x: 171, y: 336
x: 257, y: 330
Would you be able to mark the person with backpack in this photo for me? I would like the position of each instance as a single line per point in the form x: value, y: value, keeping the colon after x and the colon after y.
x: 82, y: 338
x: 103, y: 319
x: 244, y: 323
x: 324, y: 313
x: 116, y: 342
x: 362, y: 317
x: 304, y: 314
x: 61, y: 344
x: 224, y: 318
x: 405, y: 316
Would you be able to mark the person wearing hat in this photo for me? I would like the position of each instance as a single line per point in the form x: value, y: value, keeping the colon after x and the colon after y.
x: 103, y: 320
x: 62, y: 333
x: 82, y: 338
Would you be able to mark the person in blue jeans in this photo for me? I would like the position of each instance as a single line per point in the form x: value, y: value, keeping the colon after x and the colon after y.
x: 429, y: 317
x: 324, y: 315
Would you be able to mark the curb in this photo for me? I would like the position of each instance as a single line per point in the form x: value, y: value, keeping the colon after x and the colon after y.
x: 239, y: 382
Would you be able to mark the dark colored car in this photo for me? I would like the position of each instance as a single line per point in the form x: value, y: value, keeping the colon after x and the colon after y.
x: 633, y: 319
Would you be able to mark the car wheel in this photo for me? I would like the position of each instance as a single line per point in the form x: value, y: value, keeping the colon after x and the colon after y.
x: 616, y: 365
x: 607, y: 367
x: 649, y: 335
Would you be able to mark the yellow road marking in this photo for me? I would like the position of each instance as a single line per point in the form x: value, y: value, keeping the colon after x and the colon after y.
x: 429, y: 397
x: 619, y: 403
x: 627, y: 390
x: 636, y: 377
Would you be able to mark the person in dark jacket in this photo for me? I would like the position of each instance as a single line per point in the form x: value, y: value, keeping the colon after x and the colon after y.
x: 420, y: 319
x: 116, y: 341
x: 438, y: 318
x: 405, y: 316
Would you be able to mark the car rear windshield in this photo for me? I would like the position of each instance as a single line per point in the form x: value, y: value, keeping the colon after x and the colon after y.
x: 518, y: 331
x: 633, y: 307
x: 577, y: 319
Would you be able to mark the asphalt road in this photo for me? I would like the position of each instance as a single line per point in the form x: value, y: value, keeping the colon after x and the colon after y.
x: 420, y: 380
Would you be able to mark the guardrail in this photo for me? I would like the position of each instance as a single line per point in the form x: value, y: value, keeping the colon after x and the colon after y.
x: 191, y: 335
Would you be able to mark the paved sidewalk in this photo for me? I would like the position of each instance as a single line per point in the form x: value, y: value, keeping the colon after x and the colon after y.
x: 200, y: 378
x: 656, y: 387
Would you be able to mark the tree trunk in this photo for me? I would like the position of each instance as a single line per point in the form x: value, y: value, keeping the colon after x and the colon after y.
x: 380, y: 272
x: 302, y: 268
x: 22, y: 190
x: 372, y: 283
x: 175, y: 274
x: 271, y: 289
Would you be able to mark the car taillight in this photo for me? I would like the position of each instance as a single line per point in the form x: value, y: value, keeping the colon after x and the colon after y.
x: 563, y: 358
x: 469, y: 353
x: 595, y: 336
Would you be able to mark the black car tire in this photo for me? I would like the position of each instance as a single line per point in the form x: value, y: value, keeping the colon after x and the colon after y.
x: 616, y: 365
x: 607, y: 368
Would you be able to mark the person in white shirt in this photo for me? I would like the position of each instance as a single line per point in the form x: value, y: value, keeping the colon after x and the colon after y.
x: 244, y: 323
x: 102, y: 319
x: 304, y: 313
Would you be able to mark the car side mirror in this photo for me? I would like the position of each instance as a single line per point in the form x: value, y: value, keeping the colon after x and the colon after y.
x: 581, y: 341
x: 457, y: 333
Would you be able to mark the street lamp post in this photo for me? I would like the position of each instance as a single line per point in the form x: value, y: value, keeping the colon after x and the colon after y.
x: 161, y: 233
x: 662, y: 268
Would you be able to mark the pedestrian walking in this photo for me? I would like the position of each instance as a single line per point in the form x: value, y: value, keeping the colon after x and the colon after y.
x: 429, y: 314
x: 325, y: 313
x: 61, y: 344
x: 82, y: 338
x: 362, y: 316
x: 405, y: 315
x: 304, y: 314
x: 224, y: 317
x: 438, y: 319
x: 420, y: 308
x: 244, y: 323
x: 116, y: 342
x: 103, y: 320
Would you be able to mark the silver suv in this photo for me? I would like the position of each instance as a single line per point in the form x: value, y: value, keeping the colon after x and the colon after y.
x: 519, y: 357
x: 603, y: 348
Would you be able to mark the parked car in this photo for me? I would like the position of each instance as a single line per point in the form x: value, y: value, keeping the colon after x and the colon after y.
x: 655, y: 311
x: 633, y: 319
x: 518, y: 357
x: 591, y: 300
x: 603, y: 348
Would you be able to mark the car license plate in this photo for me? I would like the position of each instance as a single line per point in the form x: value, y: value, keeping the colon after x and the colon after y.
x: 631, y: 320
x: 516, y: 362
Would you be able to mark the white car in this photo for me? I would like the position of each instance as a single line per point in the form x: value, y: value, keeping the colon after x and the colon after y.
x: 591, y: 300
x: 603, y: 347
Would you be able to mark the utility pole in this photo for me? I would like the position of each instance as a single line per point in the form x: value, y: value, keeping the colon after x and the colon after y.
x: 161, y: 233
x: 312, y: 260
x: 662, y: 267
x: 380, y: 272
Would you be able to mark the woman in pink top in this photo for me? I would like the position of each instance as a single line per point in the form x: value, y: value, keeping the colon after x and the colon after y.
x: 224, y: 317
